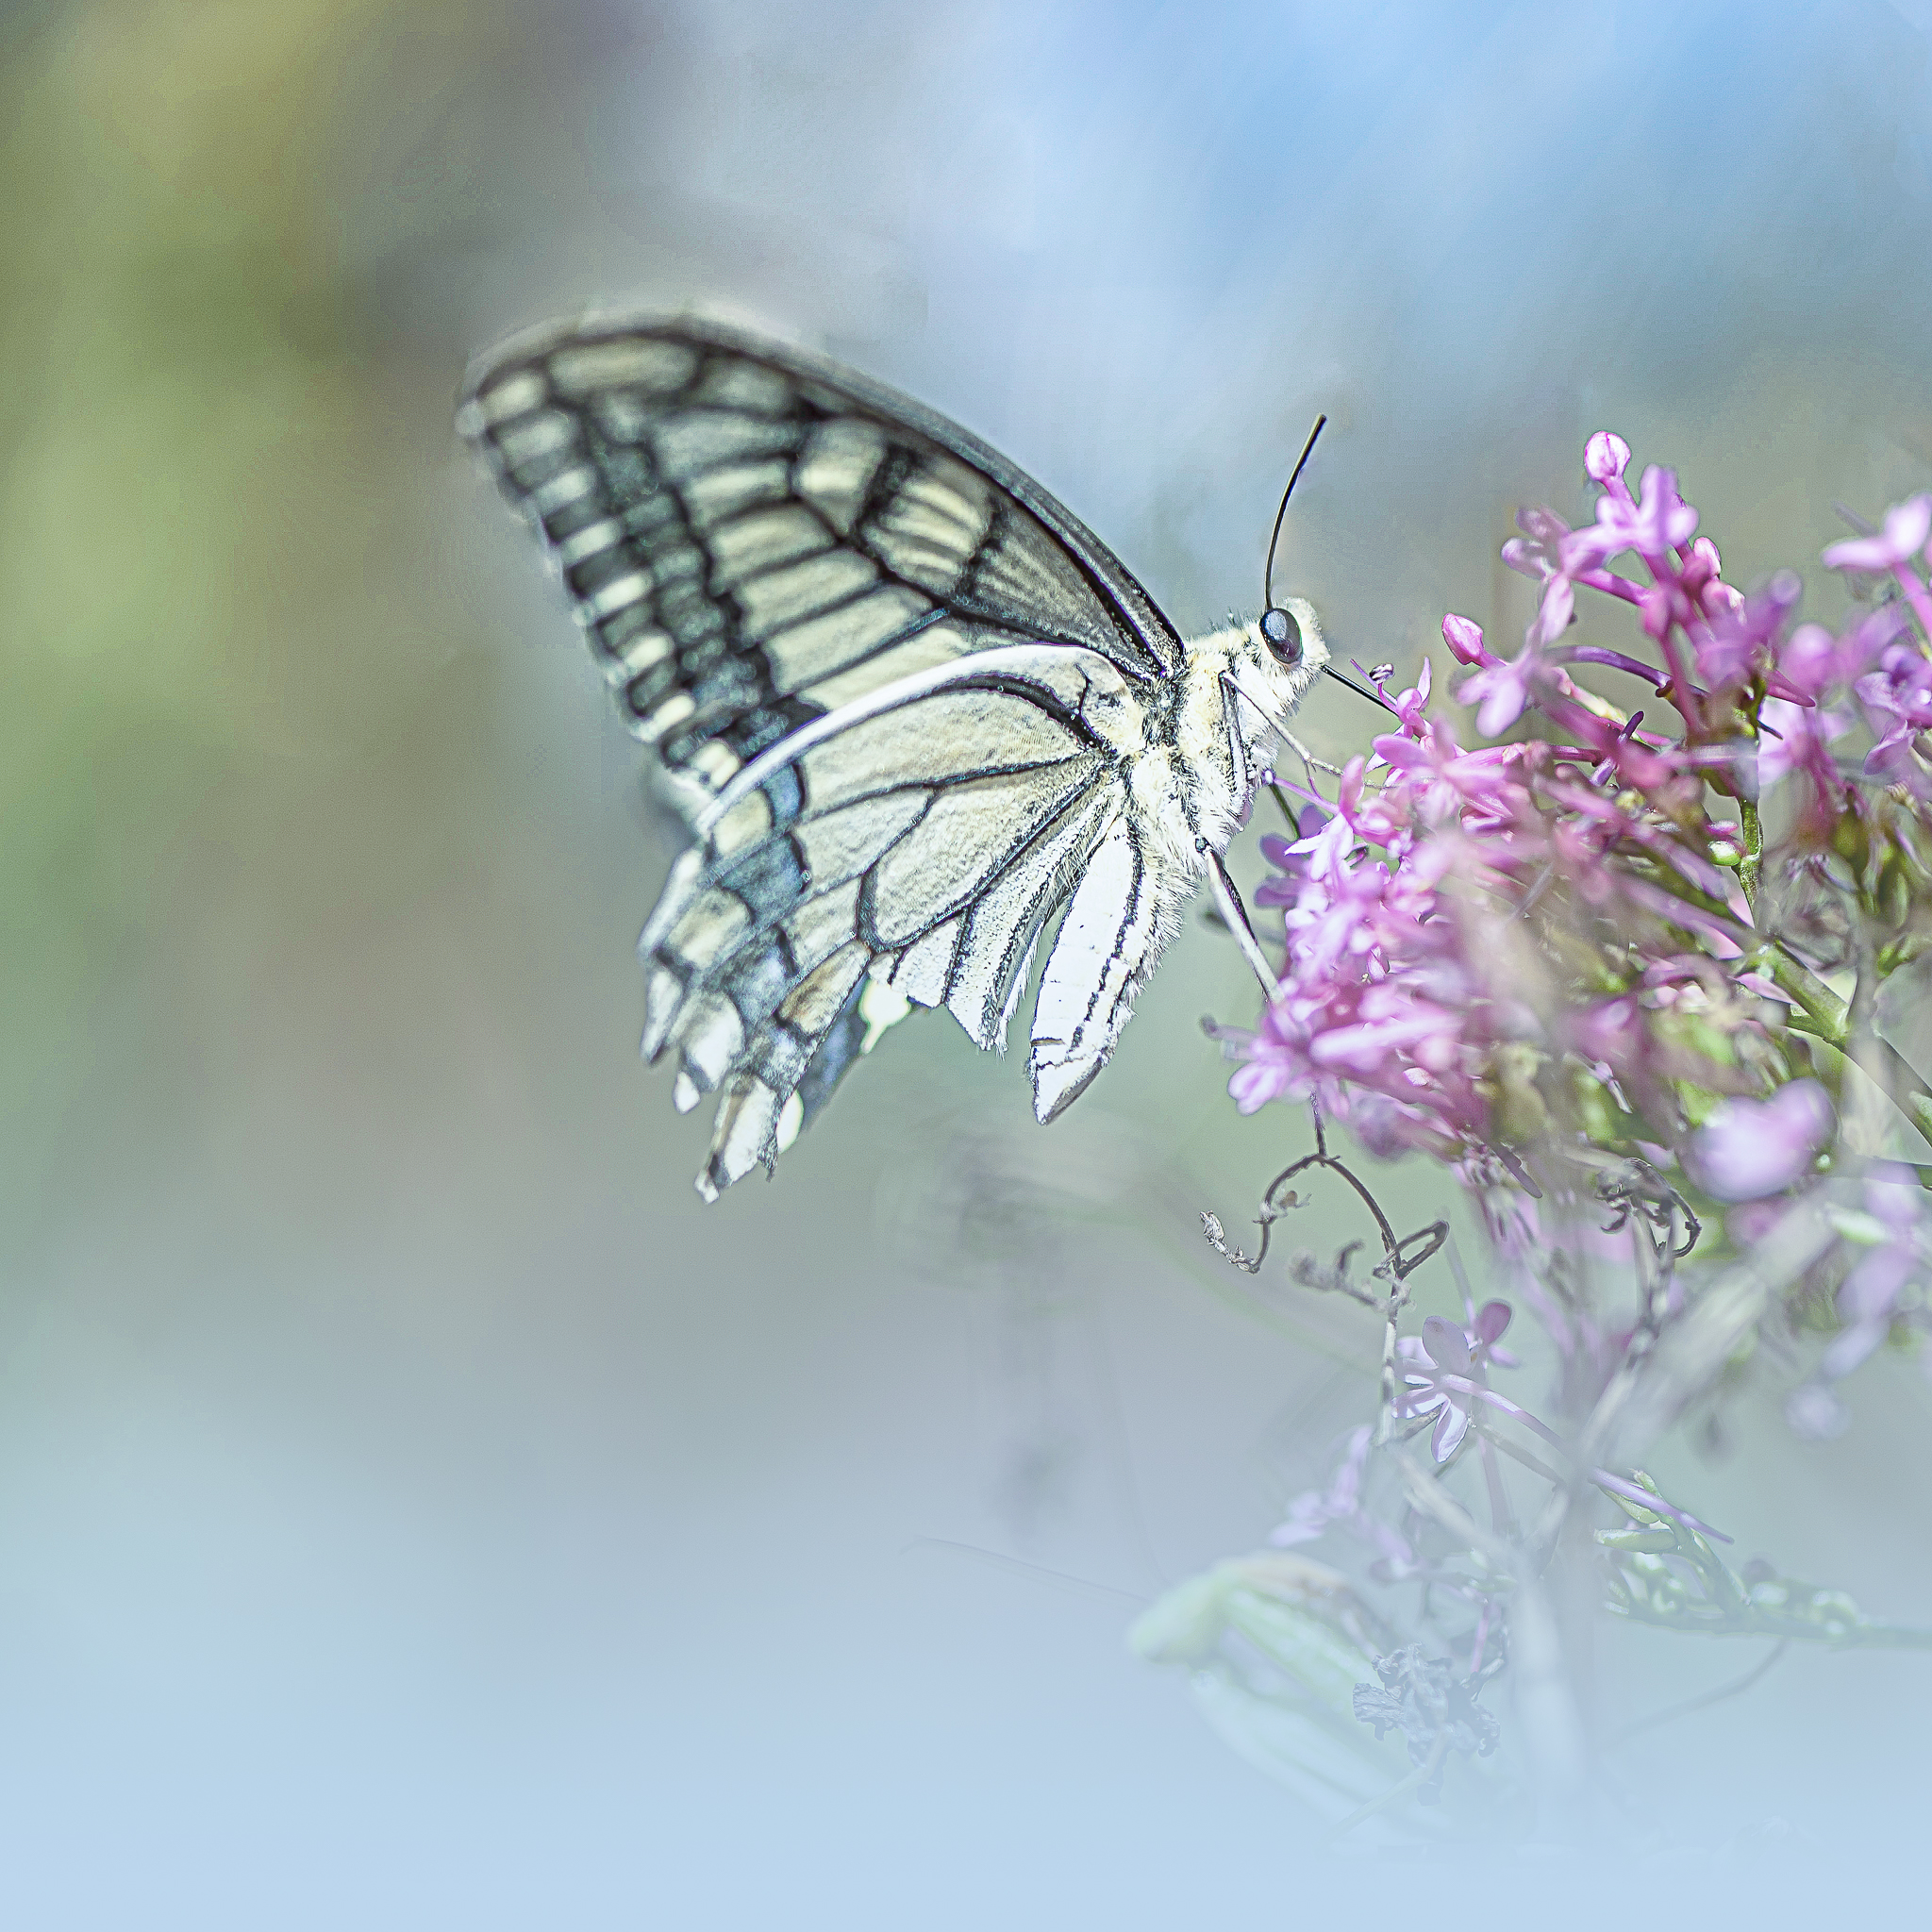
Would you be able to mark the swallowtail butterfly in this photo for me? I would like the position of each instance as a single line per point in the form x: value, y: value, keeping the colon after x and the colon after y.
x: 912, y: 708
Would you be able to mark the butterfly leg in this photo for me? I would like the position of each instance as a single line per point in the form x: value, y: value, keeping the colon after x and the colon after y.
x: 1235, y: 914
x: 1310, y: 763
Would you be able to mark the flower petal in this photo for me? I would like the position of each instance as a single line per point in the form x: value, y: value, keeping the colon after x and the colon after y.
x: 1906, y: 526
x: 1448, y: 1344
x: 1451, y: 1426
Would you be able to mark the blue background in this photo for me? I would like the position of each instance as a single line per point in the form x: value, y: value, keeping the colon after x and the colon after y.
x: 416, y: 1508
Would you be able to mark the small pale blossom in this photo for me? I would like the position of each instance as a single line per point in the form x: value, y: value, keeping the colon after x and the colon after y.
x: 1315, y: 1511
x: 1537, y: 553
x: 1809, y: 663
x: 1738, y: 642
x: 1409, y: 705
x: 1898, y: 541
x: 1868, y: 1299
x: 1438, y: 1370
x: 1792, y: 739
x: 1654, y: 523
x: 1815, y: 1412
x: 1502, y: 690
x: 1752, y: 1148
x: 1490, y: 1323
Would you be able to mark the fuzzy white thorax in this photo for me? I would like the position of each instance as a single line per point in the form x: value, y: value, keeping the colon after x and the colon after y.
x: 1236, y: 697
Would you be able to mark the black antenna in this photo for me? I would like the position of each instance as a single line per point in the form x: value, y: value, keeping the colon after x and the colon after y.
x: 1360, y: 690
x: 1268, y: 570
x: 1275, y: 535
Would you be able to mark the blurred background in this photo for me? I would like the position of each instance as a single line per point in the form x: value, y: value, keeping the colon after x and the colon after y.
x: 416, y: 1507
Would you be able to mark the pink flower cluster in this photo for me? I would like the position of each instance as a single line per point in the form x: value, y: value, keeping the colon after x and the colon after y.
x: 1556, y: 933
x: 1380, y: 1014
x: 1412, y: 984
x: 1624, y: 979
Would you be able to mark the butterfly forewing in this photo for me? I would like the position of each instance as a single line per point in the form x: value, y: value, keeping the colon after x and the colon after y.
x: 754, y: 538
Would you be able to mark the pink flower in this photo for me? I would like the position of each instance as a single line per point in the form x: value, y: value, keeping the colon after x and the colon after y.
x: 1439, y: 775
x: 1487, y: 1324
x: 1701, y: 579
x: 1316, y: 1510
x: 1739, y: 641
x: 1446, y: 1373
x: 1290, y: 861
x: 1661, y: 520
x: 1543, y: 551
x: 1555, y: 613
x: 1796, y: 739
x: 1379, y: 1013
x: 1608, y: 1034
x: 1381, y: 816
x: 1653, y: 525
x: 1502, y: 690
x: 1750, y: 1148
x: 1416, y: 1002
x: 1897, y: 699
x: 1409, y: 705
x: 1537, y: 553
x: 1906, y: 526
x: 1809, y: 663
x: 1272, y: 1066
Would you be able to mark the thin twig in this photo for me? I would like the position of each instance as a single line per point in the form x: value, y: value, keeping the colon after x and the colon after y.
x: 1420, y: 1775
x: 1000, y: 1560
x: 1736, y: 1688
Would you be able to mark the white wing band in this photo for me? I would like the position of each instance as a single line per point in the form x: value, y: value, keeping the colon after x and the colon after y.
x: 1114, y: 932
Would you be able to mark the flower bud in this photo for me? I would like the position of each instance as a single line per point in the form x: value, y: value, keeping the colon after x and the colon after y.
x: 1605, y: 457
x: 1464, y: 639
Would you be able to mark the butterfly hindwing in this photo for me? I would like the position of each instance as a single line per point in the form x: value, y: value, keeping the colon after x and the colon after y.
x: 754, y: 538
x: 923, y: 839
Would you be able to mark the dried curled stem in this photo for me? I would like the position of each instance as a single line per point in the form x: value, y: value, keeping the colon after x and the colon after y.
x: 1402, y: 1254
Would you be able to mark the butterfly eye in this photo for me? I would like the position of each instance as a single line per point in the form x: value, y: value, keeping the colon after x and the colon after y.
x: 1283, y: 634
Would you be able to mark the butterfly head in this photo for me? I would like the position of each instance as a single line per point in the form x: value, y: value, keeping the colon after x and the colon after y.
x: 1280, y: 654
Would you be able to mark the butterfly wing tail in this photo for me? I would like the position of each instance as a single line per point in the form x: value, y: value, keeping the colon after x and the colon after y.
x: 761, y: 1105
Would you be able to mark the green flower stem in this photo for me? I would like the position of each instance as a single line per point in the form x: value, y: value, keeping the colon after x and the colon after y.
x: 1752, y: 861
x: 1820, y: 1013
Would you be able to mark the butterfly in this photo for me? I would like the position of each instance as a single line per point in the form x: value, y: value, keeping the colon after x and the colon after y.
x: 910, y: 708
